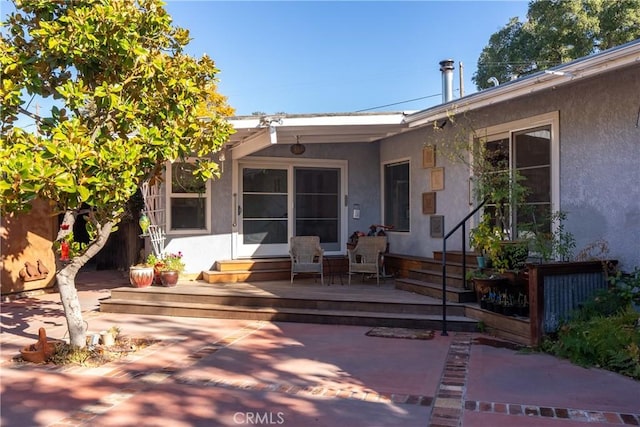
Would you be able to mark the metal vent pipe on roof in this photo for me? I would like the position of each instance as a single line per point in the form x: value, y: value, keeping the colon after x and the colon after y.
x: 446, y: 66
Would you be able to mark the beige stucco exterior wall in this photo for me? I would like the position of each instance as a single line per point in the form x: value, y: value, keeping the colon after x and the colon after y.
x: 27, y: 237
x: 599, y: 164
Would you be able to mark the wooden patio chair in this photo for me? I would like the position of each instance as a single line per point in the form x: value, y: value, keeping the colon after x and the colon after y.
x: 366, y: 257
x: 306, y: 256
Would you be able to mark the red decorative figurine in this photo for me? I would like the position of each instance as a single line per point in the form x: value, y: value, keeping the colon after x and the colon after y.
x: 64, y: 251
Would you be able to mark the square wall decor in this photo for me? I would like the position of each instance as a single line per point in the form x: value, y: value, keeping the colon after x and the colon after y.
x: 429, y: 203
x: 429, y: 156
x: 437, y: 179
x: 436, y: 225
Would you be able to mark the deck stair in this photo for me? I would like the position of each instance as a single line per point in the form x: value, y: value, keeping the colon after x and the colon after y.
x: 364, y: 304
x: 239, y: 270
x: 424, y: 276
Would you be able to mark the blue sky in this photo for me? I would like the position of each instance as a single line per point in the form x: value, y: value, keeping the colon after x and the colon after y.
x: 334, y: 56
x: 337, y: 56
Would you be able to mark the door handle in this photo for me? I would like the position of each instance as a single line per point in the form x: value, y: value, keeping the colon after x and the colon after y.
x: 239, y: 210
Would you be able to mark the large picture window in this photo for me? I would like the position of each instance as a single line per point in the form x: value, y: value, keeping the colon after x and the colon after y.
x: 188, y: 199
x: 396, y: 195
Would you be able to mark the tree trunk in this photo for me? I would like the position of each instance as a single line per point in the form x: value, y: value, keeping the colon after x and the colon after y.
x: 66, y: 278
x: 71, y: 304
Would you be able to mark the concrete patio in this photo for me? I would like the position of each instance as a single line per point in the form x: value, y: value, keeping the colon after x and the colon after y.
x: 230, y: 372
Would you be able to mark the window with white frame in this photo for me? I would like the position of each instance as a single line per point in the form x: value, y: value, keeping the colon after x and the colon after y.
x: 188, y: 199
x: 396, y: 195
x: 529, y: 150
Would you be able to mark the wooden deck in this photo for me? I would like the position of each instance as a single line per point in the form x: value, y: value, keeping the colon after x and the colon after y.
x: 305, y: 301
x: 260, y: 290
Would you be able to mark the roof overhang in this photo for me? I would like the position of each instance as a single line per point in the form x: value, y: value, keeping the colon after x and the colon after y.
x: 254, y: 133
x: 618, y: 57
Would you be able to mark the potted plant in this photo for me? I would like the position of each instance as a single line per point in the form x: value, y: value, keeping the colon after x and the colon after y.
x: 555, y: 245
x: 522, y: 305
x: 141, y: 275
x: 170, y: 266
x: 155, y: 262
x: 508, y: 307
x: 485, y: 239
x: 484, y: 281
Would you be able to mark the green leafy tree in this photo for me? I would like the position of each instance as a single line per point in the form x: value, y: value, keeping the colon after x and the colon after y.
x: 126, y: 99
x: 555, y: 32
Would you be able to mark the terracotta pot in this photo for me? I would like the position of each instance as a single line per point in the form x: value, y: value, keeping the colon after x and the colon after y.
x: 140, y: 277
x: 169, y: 278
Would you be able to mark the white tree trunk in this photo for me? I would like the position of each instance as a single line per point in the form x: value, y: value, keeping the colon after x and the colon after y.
x: 66, y: 278
x: 71, y: 303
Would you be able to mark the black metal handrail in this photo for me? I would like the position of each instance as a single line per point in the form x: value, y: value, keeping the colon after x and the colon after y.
x: 464, y: 261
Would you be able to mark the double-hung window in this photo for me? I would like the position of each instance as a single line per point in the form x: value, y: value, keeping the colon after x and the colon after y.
x: 396, y: 195
x: 188, y: 200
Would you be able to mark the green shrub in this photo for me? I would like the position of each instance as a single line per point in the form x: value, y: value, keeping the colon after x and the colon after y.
x: 610, y: 342
x: 604, y: 303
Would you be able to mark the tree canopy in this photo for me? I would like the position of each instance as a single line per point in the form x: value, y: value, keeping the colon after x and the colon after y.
x: 125, y: 99
x: 555, y: 32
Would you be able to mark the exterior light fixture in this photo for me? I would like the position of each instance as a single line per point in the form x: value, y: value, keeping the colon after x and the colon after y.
x: 297, y: 148
x: 221, y: 159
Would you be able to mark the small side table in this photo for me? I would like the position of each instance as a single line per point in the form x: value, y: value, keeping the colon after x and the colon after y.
x: 334, y: 269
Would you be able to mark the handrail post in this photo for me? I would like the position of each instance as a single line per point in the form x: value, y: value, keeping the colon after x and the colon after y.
x: 464, y: 255
x: 464, y: 261
x: 444, y: 286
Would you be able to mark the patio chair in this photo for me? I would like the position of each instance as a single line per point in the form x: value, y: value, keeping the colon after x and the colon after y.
x: 306, y: 256
x: 366, y: 257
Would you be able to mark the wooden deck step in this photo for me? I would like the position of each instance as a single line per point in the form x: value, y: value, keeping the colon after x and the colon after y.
x: 287, y: 314
x: 229, y: 297
x: 365, y: 304
x: 254, y: 264
x: 456, y: 256
x: 516, y: 329
x: 454, y: 294
x: 234, y: 276
x: 454, y: 280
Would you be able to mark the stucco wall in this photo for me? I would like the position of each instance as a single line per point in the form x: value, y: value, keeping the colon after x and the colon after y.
x: 599, y: 165
x: 452, y: 201
x: 27, y: 237
x: 202, y: 251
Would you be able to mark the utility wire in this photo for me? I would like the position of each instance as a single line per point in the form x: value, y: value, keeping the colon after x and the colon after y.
x: 397, y: 103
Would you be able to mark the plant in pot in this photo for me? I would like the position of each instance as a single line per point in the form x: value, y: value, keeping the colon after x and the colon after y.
x: 170, y: 266
x: 484, y: 281
x: 141, y: 275
x: 504, y: 193
x: 485, y: 240
x: 555, y: 245
x: 508, y: 306
x: 522, y: 305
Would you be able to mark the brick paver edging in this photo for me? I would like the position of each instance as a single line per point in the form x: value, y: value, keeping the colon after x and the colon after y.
x: 582, y: 415
x: 448, y: 403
